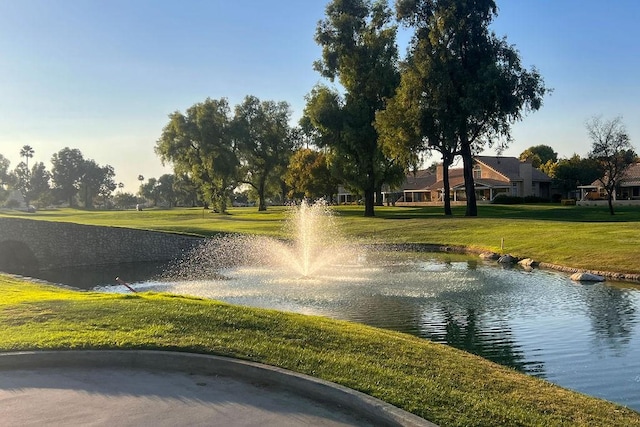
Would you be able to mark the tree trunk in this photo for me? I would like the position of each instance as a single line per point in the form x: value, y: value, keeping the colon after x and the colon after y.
x: 447, y: 187
x: 369, y: 202
x: 469, y: 186
x: 262, y: 204
x: 610, y: 200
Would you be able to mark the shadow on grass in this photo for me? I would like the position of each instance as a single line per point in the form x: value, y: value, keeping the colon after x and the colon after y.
x: 541, y: 212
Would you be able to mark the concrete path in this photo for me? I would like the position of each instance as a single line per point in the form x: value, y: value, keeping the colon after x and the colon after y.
x: 136, y: 388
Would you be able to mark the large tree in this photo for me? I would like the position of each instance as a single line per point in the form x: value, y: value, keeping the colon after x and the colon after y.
x: 568, y: 174
x: 359, y: 50
x: 415, y: 121
x: 166, y: 189
x: 613, y: 152
x: 150, y: 191
x: 539, y: 155
x: 265, y: 143
x: 199, y: 144
x: 309, y: 176
x: 67, y: 172
x: 33, y: 184
x: 96, y: 181
x: 483, y: 87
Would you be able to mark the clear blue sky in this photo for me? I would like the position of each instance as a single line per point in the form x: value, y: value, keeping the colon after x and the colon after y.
x: 102, y: 76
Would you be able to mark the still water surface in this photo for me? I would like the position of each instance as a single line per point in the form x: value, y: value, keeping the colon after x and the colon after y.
x: 585, y: 337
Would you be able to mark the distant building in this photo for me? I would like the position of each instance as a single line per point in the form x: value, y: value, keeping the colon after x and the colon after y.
x: 493, y: 176
x: 628, y: 187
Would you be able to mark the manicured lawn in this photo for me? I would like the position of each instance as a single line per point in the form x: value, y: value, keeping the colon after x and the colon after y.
x: 445, y: 385
x: 582, y: 237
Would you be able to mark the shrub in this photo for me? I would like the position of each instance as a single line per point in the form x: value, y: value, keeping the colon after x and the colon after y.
x: 504, y: 199
x: 535, y: 199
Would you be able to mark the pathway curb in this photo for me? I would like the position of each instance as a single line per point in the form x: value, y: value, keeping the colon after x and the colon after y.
x: 376, y: 410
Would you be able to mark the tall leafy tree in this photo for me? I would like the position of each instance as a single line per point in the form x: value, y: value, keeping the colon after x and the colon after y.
x: 166, y: 189
x: 150, y: 191
x: 95, y: 181
x: 199, y: 144
x: 309, y: 176
x: 39, y: 183
x: 66, y: 172
x: 612, y: 150
x: 568, y: 174
x: 20, y: 181
x: 484, y: 86
x: 539, y: 155
x: 265, y: 142
x: 108, y: 184
x: 359, y: 50
x: 416, y: 119
x: 34, y: 184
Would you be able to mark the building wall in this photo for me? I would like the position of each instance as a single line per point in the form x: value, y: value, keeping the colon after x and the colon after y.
x: 488, y: 173
x: 45, y: 244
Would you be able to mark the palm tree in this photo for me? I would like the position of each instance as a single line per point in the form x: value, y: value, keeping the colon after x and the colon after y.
x: 27, y: 152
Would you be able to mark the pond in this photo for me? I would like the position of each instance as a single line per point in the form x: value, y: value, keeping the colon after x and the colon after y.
x: 582, y: 336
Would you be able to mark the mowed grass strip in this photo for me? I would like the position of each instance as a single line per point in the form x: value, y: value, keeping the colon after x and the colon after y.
x: 581, y: 237
x: 439, y: 383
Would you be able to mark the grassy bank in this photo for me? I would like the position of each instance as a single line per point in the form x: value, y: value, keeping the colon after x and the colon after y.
x: 581, y: 237
x: 439, y: 383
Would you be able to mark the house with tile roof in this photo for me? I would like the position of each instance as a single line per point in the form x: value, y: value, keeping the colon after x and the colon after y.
x: 493, y: 176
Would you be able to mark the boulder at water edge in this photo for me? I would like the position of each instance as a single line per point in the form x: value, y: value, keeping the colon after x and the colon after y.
x: 586, y: 277
x: 527, y: 262
x: 489, y: 255
x: 506, y: 259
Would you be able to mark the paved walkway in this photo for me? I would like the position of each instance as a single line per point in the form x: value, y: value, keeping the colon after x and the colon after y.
x: 136, y: 388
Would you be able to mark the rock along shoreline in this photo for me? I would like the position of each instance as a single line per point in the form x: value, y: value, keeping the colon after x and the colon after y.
x: 483, y: 253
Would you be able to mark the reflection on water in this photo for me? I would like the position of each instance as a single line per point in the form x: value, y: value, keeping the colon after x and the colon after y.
x: 581, y: 336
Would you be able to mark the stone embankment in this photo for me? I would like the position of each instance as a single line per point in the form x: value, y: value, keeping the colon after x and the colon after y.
x: 529, y: 263
x: 507, y: 258
x: 27, y: 244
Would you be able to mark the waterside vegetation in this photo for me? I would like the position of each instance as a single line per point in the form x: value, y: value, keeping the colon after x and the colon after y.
x: 439, y: 383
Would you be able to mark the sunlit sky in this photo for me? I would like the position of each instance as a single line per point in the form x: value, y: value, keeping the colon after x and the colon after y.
x: 102, y: 76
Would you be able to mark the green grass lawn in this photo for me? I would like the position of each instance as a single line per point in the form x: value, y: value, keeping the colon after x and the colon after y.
x: 581, y: 237
x: 434, y: 381
x: 442, y: 384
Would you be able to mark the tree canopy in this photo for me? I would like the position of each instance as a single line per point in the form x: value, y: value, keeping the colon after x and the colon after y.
x: 539, y: 155
x: 468, y: 75
x: 359, y: 50
x: 66, y: 173
x: 265, y: 143
x: 199, y: 144
x: 308, y: 176
x: 612, y: 150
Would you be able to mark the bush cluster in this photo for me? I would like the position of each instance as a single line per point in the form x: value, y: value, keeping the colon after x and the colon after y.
x: 504, y: 199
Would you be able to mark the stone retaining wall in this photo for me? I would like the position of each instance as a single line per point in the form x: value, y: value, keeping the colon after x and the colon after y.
x: 26, y: 243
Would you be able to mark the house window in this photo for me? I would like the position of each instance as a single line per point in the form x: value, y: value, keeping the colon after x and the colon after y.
x: 477, y: 172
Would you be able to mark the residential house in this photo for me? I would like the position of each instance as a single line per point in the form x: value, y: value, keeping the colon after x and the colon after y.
x: 493, y: 176
x: 628, y: 187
